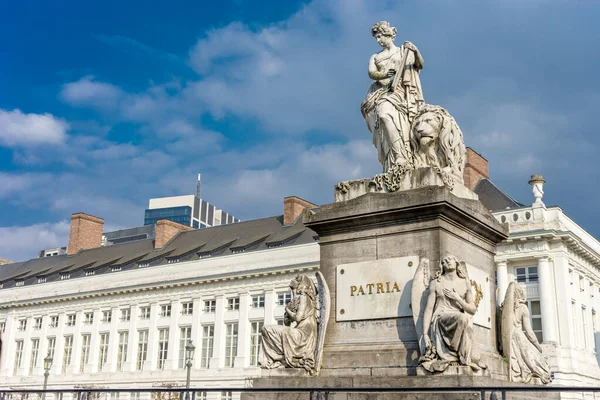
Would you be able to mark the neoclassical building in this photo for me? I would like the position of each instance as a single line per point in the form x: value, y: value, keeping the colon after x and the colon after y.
x: 120, y: 316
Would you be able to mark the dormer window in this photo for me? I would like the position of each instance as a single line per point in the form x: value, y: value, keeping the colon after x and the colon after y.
x: 20, y: 282
x: 42, y: 279
x: 144, y: 264
x: 90, y: 272
x: 172, y: 260
x: 116, y: 269
x: 65, y: 276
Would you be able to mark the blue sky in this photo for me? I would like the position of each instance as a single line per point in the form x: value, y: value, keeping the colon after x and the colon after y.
x: 106, y: 104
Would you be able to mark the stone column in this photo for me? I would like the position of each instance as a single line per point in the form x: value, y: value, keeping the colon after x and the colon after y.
x: 92, y: 365
x: 152, y: 355
x: 131, y: 363
x: 502, y: 278
x: 197, y: 332
x: 76, y: 352
x: 26, y: 356
x: 172, y: 361
x: 549, y: 317
x: 270, y: 299
x: 113, y: 341
x: 219, y: 342
x: 243, y: 350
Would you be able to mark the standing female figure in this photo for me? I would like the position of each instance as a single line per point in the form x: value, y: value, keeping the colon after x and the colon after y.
x: 392, y: 101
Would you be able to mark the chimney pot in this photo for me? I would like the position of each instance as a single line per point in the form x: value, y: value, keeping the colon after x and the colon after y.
x: 476, y: 168
x: 85, y: 232
x: 293, y: 207
x: 166, y: 230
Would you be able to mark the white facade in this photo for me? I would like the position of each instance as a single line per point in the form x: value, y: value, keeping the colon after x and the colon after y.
x: 559, y: 263
x: 166, y: 304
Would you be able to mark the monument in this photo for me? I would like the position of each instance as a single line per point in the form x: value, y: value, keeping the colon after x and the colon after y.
x: 406, y: 255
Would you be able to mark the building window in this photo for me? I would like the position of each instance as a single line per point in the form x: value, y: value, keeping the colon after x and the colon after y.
x: 280, y: 322
x: 134, y: 396
x: 584, y: 326
x: 165, y: 310
x: 144, y: 312
x: 125, y: 314
x: 106, y: 316
x: 54, y: 321
x: 231, y: 342
x: 527, y: 274
x: 284, y: 298
x: 88, y: 318
x: 233, y: 303
x: 536, y: 318
x: 103, y: 354
x: 581, y: 284
x: 85, y: 351
x: 2, y: 326
x: 35, y: 349
x: 255, y: 341
x: 51, y: 346
x: 42, y: 279
x: 116, y: 268
x: 71, y: 318
x: 144, y: 264
x: 142, y: 349
x: 258, y: 301
x: 18, y: 356
x: 208, y: 338
x: 172, y: 260
x: 210, y: 306
x: 65, y: 276
x: 68, y: 351
x: 187, y: 308
x: 163, y: 347
x: 37, y: 325
x: 22, y: 325
x: 20, y: 282
x: 204, y: 255
x: 185, y: 336
x: 201, y: 396
x: 90, y: 272
x: 226, y: 395
x: 122, y: 351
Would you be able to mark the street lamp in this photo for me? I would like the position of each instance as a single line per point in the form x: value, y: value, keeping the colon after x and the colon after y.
x: 47, y: 365
x: 189, y: 357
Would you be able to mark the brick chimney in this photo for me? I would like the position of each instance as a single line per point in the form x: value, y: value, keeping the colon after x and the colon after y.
x: 476, y: 168
x: 86, y: 233
x: 166, y: 230
x: 293, y: 207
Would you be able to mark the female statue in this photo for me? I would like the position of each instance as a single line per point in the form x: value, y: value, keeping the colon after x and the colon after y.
x: 293, y: 345
x: 394, y: 97
x: 524, y: 353
x: 448, y: 319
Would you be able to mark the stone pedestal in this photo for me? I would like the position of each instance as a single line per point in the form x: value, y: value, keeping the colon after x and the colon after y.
x: 428, y: 222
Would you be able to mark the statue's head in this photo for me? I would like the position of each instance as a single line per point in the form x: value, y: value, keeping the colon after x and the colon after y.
x: 450, y: 264
x: 303, y: 285
x: 383, y: 32
x: 438, y: 140
x: 520, y: 294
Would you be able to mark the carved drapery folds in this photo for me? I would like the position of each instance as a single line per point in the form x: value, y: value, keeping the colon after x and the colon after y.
x: 443, y: 309
x: 520, y: 346
x: 299, y: 342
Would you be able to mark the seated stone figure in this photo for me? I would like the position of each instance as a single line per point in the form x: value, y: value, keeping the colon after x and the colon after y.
x: 299, y: 342
x: 448, y: 319
x: 520, y: 345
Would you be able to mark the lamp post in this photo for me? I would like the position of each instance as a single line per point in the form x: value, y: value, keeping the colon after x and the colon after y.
x: 189, y: 357
x: 47, y: 365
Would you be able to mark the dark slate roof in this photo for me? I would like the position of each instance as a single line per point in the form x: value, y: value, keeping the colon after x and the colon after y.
x: 190, y: 245
x: 494, y: 198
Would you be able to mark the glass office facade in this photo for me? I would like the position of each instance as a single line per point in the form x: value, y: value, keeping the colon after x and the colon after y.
x: 182, y: 215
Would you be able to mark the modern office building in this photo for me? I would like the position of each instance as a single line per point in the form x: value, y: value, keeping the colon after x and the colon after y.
x: 189, y: 210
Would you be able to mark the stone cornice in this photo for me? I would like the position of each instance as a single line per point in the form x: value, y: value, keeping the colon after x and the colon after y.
x: 191, y: 281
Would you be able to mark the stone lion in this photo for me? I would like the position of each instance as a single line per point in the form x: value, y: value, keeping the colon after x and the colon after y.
x: 437, y: 142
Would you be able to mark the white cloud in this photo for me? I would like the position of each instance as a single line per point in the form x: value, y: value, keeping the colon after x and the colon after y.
x: 88, y: 92
x: 21, y: 243
x: 19, y: 129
